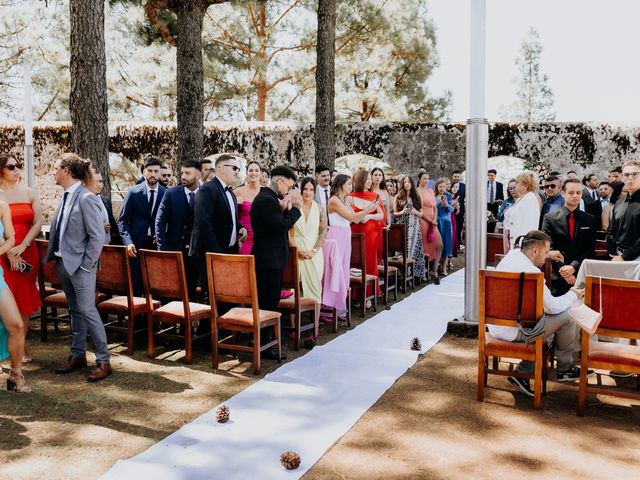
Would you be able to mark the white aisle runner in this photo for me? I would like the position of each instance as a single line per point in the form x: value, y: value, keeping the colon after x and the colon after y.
x: 307, y: 404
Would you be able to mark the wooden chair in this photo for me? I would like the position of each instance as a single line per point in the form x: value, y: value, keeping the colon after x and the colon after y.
x: 334, y: 313
x: 495, y: 246
x: 50, y: 294
x: 361, y: 282
x: 232, y: 279
x: 397, y: 242
x: 620, y: 310
x: 499, y: 306
x: 386, y: 272
x: 295, y: 305
x: 163, y: 277
x: 114, y: 278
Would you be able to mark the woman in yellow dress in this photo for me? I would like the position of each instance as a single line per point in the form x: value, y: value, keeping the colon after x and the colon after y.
x: 308, y: 235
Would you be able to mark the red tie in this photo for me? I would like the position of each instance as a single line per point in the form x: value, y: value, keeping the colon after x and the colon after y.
x: 572, y: 226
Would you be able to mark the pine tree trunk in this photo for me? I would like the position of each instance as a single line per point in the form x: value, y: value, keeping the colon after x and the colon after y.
x: 88, y: 97
x: 325, y: 84
x: 190, y: 79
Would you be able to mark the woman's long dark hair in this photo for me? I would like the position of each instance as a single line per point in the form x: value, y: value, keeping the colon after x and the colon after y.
x: 401, y: 198
x: 383, y: 183
x: 337, y: 184
x: 310, y: 180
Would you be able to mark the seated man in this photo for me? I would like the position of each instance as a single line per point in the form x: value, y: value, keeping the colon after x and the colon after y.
x: 529, y: 257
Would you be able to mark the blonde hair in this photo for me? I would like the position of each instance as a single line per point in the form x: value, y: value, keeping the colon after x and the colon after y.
x: 528, y: 179
x: 631, y: 163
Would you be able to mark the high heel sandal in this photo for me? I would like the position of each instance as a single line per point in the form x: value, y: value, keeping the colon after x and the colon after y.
x: 16, y: 382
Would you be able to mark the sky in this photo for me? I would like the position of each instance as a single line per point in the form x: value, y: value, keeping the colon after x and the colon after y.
x: 590, y: 55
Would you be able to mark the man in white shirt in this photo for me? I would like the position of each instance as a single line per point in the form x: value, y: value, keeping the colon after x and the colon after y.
x: 533, y: 251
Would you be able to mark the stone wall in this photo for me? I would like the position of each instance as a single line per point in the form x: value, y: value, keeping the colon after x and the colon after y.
x: 404, y: 146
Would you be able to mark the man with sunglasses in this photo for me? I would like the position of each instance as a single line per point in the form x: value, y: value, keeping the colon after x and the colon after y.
x: 553, y: 198
x: 216, y: 227
x: 623, y: 236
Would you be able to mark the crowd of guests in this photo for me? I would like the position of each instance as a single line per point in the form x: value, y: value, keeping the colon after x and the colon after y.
x: 561, y: 217
x: 208, y: 212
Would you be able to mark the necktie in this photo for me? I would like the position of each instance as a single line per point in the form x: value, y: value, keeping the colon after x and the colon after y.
x: 595, y: 195
x: 56, y: 237
x: 191, y: 197
x: 151, y: 200
x: 326, y: 203
x: 491, y: 194
x: 572, y: 226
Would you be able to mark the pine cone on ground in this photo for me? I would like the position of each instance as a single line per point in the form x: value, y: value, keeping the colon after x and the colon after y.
x: 416, y: 344
x: 222, y: 414
x: 290, y: 460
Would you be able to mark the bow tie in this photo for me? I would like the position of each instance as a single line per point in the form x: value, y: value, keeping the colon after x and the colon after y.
x: 228, y: 189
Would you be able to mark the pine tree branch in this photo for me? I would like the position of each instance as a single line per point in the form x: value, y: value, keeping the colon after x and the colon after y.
x: 284, y: 14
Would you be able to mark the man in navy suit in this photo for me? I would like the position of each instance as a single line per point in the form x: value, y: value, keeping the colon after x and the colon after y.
x: 495, y: 192
x: 174, y: 222
x: 137, y: 222
x: 573, y: 237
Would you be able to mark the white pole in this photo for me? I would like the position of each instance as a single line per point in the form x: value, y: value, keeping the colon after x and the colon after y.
x: 476, y: 163
x: 28, y: 126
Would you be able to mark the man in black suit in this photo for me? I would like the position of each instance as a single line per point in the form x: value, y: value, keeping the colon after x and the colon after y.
x: 495, y: 193
x: 273, y: 212
x: 573, y: 237
x: 591, y: 198
x: 216, y: 227
x: 137, y: 221
x: 174, y: 222
x: 462, y: 194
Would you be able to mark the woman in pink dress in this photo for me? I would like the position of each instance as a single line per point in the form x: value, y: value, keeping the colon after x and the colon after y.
x: 431, y: 240
x: 337, y: 256
x: 21, y: 263
x: 245, y: 196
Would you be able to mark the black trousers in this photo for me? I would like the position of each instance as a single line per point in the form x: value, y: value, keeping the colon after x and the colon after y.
x: 269, y: 286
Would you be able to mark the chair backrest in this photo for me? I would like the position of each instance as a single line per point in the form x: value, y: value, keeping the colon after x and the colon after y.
x: 495, y: 246
x: 620, y: 305
x: 358, y: 257
x: 47, y: 272
x: 601, y: 252
x: 232, y: 279
x: 290, y: 274
x: 397, y: 239
x: 114, y: 272
x: 385, y: 247
x: 163, y: 274
x: 498, y: 296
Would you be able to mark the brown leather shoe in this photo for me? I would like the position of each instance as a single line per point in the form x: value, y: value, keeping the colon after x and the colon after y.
x: 73, y: 363
x: 100, y: 373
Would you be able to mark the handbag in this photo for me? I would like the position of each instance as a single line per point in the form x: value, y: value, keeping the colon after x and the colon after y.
x: 585, y: 317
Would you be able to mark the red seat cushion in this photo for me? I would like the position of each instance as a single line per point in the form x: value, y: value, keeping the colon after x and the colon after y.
x: 358, y: 279
x: 289, y: 303
x: 120, y: 304
x: 174, y: 311
x: 243, y: 317
x: 501, y: 348
x: 627, y: 355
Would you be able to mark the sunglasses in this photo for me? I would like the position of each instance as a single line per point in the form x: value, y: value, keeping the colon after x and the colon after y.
x: 551, y: 185
x: 233, y: 167
x: 13, y: 167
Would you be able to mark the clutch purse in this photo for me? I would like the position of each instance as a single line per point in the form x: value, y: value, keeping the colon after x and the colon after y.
x: 585, y: 317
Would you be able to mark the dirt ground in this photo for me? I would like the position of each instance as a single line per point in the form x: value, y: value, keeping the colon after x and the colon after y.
x: 430, y: 426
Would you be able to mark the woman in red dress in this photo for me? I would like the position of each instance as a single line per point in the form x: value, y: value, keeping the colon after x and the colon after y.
x: 371, y: 225
x: 21, y: 263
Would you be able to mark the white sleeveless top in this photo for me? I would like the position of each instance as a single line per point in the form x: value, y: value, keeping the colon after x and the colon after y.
x: 337, y: 220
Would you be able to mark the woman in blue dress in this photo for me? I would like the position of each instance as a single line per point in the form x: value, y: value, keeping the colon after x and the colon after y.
x: 11, y: 326
x: 443, y: 203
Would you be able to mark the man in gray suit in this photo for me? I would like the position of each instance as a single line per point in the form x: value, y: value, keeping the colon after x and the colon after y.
x: 76, y: 240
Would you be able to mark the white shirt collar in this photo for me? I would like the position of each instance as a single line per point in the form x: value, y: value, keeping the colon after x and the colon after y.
x: 72, y: 188
x: 224, y: 185
x: 149, y: 187
x: 187, y: 191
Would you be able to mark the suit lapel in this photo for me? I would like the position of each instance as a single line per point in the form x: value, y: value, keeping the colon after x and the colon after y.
x: 223, y: 192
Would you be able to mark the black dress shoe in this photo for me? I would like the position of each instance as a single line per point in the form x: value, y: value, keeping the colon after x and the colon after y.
x: 272, y: 354
x: 437, y: 280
